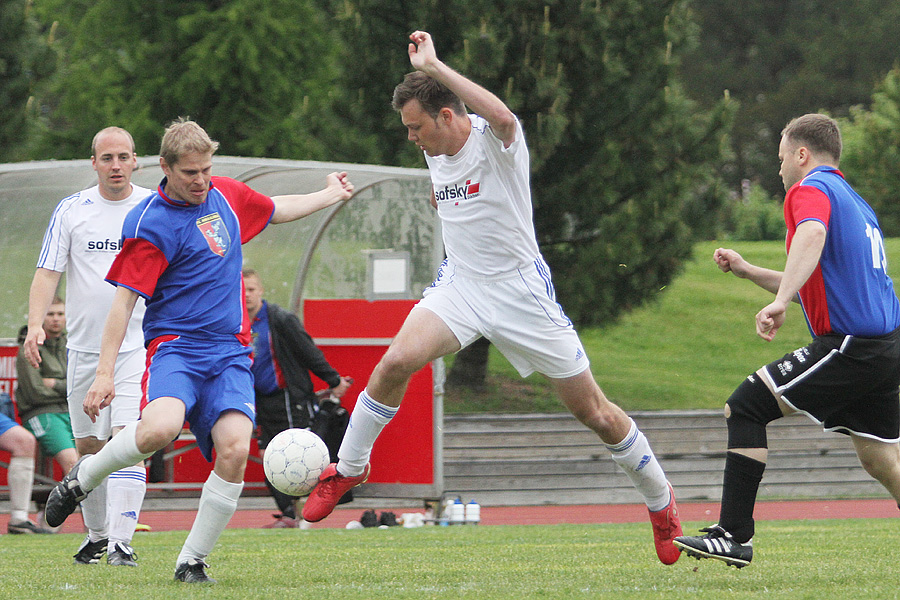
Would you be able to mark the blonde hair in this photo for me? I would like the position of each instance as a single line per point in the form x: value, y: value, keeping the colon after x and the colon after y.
x: 183, y: 136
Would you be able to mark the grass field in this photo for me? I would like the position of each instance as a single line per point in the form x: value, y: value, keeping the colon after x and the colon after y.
x: 813, y: 560
x: 688, y: 349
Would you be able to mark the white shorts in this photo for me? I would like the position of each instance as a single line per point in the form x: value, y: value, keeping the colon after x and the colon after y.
x: 517, y: 312
x: 125, y: 407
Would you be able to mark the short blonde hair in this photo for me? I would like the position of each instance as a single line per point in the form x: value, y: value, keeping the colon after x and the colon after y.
x: 183, y: 136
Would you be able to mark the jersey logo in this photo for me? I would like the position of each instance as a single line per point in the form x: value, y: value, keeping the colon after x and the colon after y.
x: 215, y: 233
x: 87, y: 202
x: 456, y: 192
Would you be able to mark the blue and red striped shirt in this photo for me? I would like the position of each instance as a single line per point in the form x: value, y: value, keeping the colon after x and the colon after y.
x: 186, y: 260
x: 849, y: 292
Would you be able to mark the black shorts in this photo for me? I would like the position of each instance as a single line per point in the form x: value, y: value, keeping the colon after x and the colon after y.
x: 849, y: 384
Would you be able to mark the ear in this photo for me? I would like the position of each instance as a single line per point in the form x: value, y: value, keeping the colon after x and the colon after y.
x: 164, y: 166
x: 445, y: 115
x: 803, y: 155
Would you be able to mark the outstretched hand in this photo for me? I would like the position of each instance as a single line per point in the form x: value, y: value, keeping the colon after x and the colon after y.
x: 421, y: 51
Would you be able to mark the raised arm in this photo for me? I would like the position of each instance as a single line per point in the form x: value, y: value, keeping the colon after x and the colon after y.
x: 423, y: 58
x: 291, y: 207
x: 43, y: 286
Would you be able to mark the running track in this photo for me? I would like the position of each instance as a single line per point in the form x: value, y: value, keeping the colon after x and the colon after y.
x: 706, y: 513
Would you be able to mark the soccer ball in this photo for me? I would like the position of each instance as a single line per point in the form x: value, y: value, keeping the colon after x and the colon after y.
x: 293, y: 461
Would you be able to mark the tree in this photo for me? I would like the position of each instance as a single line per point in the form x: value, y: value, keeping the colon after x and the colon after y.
x: 780, y: 60
x: 257, y: 74
x: 871, y: 156
x: 25, y: 57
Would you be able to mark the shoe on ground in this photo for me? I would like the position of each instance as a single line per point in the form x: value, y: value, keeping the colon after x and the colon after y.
x: 328, y: 491
x: 717, y: 544
x: 666, y: 527
x: 122, y: 555
x: 369, y: 519
x: 65, y: 497
x: 388, y: 519
x: 193, y: 571
x: 90, y: 553
x: 26, y: 527
x: 283, y: 522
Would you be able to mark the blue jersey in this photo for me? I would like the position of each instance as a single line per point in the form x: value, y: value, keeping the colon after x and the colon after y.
x: 849, y: 292
x: 267, y: 376
x: 186, y: 260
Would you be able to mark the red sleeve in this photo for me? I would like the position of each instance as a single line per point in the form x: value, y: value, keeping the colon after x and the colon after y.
x: 253, y: 210
x: 807, y: 202
x: 138, y: 266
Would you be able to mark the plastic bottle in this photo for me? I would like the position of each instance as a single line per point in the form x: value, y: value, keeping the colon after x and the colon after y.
x: 444, y: 519
x: 473, y: 513
x: 457, y: 512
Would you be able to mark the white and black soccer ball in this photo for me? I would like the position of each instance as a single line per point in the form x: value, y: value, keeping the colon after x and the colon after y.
x: 293, y: 461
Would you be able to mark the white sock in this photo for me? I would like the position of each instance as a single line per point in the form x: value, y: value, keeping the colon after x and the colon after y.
x: 366, y: 422
x: 118, y: 453
x: 634, y: 456
x: 125, y: 494
x: 20, y: 477
x: 218, y: 501
x: 93, y: 512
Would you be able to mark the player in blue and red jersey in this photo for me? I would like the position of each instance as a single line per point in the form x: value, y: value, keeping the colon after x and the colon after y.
x: 181, y: 252
x: 848, y: 377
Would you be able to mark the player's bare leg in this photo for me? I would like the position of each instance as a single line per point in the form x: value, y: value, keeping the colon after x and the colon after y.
x: 881, y: 461
x: 631, y: 451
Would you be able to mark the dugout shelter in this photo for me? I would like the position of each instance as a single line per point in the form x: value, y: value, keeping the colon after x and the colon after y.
x: 351, y: 272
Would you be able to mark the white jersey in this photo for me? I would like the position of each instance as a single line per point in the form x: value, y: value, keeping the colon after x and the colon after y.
x: 484, y: 202
x: 82, y: 239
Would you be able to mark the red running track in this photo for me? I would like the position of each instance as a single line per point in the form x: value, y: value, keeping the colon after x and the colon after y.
x: 705, y: 513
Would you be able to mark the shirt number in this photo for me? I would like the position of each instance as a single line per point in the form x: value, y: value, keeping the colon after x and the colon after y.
x: 879, y: 259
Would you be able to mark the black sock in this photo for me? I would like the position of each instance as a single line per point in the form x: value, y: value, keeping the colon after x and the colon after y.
x: 741, y: 483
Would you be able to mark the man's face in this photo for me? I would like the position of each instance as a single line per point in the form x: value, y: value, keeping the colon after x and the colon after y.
x: 253, y: 293
x: 55, y: 321
x: 427, y: 133
x: 114, y: 160
x: 188, y: 179
x: 789, y: 156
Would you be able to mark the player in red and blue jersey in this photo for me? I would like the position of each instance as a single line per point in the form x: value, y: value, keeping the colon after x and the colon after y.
x: 181, y: 252
x: 848, y: 377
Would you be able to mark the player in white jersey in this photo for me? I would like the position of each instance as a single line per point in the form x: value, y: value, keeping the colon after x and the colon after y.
x: 494, y: 283
x: 82, y: 239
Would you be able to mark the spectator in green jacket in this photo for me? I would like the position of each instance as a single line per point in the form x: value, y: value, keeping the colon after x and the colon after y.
x: 41, y: 392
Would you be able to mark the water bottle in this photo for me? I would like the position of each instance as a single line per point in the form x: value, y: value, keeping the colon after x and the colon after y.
x: 457, y: 512
x: 445, y: 512
x: 473, y: 513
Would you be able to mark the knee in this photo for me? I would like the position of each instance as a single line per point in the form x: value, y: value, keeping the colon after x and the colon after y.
x: 24, y: 444
x: 397, y: 364
x: 153, y: 436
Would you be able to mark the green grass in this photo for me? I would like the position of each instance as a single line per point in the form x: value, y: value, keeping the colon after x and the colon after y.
x: 850, y: 559
x: 688, y: 349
